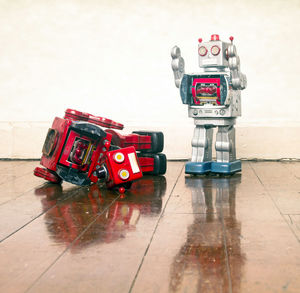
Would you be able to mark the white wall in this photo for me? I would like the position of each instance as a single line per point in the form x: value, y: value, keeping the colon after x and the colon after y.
x: 112, y: 58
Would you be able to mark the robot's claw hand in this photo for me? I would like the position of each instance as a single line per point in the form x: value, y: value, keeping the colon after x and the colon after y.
x: 239, y: 80
x: 177, y: 65
x: 244, y: 81
x: 175, y: 52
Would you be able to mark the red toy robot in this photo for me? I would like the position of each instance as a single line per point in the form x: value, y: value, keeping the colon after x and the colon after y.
x: 79, y: 151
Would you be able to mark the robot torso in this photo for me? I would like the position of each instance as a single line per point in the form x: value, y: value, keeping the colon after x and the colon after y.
x: 210, y: 95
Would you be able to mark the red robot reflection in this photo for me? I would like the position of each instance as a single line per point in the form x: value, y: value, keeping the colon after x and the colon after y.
x: 68, y: 213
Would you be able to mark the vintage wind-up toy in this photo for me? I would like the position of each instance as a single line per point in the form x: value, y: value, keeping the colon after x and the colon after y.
x: 78, y: 150
x: 213, y: 97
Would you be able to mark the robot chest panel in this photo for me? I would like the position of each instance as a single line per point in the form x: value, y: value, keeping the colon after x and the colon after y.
x: 208, y: 89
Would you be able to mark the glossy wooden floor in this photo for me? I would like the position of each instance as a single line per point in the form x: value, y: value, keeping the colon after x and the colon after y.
x: 168, y: 234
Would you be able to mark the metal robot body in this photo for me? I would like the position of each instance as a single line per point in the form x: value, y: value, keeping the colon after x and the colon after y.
x: 213, y: 97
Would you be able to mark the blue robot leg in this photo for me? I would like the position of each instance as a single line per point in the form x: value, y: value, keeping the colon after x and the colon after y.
x: 201, y: 151
x: 225, y: 150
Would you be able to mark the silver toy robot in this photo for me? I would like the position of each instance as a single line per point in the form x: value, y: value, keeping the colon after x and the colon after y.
x: 214, y: 100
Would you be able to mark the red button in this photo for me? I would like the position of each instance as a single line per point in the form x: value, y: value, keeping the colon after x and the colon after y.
x: 214, y: 38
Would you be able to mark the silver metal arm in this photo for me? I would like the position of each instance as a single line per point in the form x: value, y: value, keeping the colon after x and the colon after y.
x: 177, y: 65
x: 239, y: 80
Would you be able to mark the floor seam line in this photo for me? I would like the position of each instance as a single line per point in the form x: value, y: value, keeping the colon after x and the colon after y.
x: 225, y: 247
x: 22, y: 194
x: 6, y: 237
x: 148, y: 246
x: 20, y: 176
x: 69, y: 246
x: 274, y: 203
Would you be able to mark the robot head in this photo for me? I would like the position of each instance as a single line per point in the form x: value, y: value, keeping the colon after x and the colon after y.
x: 215, y: 53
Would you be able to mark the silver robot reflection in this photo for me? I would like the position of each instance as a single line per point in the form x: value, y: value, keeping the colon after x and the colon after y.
x: 213, y: 97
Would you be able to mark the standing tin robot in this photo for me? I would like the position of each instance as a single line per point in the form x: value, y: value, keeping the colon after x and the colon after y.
x: 214, y: 100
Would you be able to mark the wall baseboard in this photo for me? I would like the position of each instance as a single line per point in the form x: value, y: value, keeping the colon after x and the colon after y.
x: 24, y: 140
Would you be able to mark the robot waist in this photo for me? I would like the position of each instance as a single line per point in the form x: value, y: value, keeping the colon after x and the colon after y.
x: 214, y: 112
x: 215, y: 121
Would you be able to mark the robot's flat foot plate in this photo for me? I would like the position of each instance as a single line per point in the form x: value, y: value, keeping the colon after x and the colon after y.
x: 226, y: 168
x: 197, y: 168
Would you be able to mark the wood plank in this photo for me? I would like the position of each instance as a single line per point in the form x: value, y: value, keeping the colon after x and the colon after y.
x: 63, y: 242
x: 195, y: 234
x: 18, y: 212
x: 16, y: 179
x: 294, y: 223
x: 29, y: 252
x: 188, y: 250
x: 268, y: 252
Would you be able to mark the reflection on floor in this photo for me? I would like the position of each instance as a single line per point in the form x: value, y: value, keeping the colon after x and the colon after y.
x: 172, y: 233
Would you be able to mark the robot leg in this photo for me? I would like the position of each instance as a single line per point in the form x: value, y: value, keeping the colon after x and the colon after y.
x: 201, y: 151
x: 225, y: 149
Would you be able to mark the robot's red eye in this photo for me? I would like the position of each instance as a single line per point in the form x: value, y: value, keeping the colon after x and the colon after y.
x: 202, y: 51
x: 215, y: 50
x: 119, y: 157
x: 124, y: 174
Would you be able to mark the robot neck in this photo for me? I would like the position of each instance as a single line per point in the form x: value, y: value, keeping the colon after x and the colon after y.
x: 214, y: 69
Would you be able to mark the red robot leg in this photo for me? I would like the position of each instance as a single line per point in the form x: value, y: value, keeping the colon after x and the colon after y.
x: 47, y: 175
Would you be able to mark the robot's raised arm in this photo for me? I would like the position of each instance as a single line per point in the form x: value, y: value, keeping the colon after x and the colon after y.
x: 238, y: 79
x: 177, y: 65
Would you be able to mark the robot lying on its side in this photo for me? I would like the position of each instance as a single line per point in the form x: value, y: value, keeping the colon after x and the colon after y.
x: 79, y: 151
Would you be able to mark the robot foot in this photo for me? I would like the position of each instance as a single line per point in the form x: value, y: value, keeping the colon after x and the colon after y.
x: 226, y: 168
x: 198, y: 168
